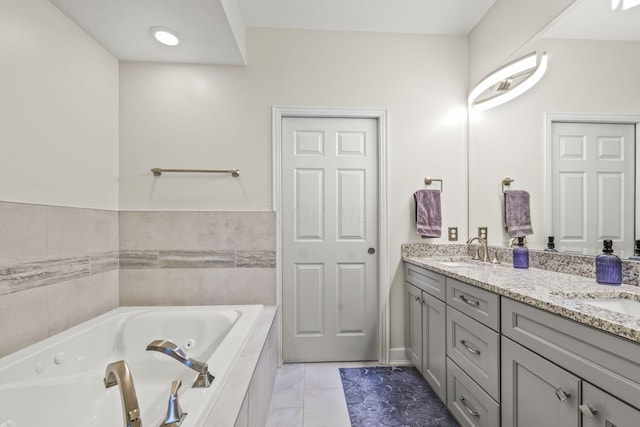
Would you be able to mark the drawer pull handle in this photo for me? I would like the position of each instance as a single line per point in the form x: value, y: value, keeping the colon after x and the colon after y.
x: 587, y: 411
x: 466, y: 406
x: 469, y: 301
x: 562, y: 396
x: 469, y: 349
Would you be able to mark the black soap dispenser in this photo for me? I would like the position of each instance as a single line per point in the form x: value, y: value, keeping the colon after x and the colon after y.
x: 520, y: 255
x: 608, y: 266
x: 551, y: 246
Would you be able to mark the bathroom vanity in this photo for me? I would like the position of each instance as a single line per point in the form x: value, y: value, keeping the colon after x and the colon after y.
x: 514, y: 348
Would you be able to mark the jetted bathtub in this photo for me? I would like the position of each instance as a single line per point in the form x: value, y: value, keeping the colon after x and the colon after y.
x: 59, y: 381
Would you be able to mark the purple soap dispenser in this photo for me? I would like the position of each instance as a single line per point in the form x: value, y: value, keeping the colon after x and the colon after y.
x: 608, y: 266
x: 520, y: 255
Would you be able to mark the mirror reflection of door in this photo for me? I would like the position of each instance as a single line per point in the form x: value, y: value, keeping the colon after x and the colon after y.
x: 593, y: 186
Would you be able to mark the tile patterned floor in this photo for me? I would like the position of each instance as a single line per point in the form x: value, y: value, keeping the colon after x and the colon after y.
x: 310, y: 395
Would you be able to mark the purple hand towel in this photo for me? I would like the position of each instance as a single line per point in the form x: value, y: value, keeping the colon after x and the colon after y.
x: 517, y: 213
x: 428, y: 213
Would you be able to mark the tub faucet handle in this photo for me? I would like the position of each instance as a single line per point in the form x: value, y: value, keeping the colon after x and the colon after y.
x: 175, y: 416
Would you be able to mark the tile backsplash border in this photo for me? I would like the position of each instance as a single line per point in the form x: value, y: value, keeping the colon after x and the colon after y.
x: 579, y: 265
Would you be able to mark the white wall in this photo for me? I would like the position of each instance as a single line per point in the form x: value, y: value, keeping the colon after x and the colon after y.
x: 194, y: 116
x: 593, y: 77
x: 505, y: 28
x: 58, y: 110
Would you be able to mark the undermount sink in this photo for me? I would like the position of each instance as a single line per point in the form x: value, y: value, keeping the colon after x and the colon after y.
x: 454, y: 264
x: 619, y: 305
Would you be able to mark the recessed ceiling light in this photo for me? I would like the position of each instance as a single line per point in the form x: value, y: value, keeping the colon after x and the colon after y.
x: 165, y: 36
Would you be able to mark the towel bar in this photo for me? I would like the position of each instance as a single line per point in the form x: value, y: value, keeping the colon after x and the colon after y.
x: 233, y: 172
x: 429, y: 181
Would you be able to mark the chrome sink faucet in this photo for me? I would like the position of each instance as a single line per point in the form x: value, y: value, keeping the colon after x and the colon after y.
x: 485, y: 248
x: 119, y: 373
x: 170, y: 349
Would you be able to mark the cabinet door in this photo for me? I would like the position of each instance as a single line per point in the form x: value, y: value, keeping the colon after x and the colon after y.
x: 434, y: 344
x: 535, y: 392
x: 414, y: 324
x: 600, y: 409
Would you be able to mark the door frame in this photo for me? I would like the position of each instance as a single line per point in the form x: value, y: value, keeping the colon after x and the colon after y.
x: 380, y: 115
x: 550, y: 119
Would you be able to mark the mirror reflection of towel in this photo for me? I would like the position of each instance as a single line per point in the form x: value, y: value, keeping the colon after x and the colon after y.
x: 428, y: 213
x: 517, y: 213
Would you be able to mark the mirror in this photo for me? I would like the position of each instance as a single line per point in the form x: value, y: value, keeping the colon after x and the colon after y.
x: 593, y: 75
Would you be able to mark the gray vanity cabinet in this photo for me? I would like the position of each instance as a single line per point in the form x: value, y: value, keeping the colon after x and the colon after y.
x: 434, y: 358
x: 536, y: 392
x: 413, y: 327
x: 473, y: 353
x: 426, y: 326
x: 600, y: 409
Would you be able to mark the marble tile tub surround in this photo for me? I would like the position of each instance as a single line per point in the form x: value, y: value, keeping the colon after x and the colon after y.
x: 58, y: 268
x: 580, y: 265
x: 558, y: 293
x: 197, y: 258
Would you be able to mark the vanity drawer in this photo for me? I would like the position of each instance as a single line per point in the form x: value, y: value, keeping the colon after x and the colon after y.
x: 470, y: 404
x: 605, y: 360
x: 480, y: 304
x: 476, y: 349
x: 430, y: 282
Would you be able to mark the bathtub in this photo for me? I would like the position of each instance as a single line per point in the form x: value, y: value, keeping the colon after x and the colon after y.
x: 59, y: 381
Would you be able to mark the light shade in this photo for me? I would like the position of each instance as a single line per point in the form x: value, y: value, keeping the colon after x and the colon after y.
x: 165, y: 36
x: 500, y: 86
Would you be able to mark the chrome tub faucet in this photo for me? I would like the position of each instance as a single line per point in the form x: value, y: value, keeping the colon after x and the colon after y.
x: 167, y: 347
x: 119, y: 373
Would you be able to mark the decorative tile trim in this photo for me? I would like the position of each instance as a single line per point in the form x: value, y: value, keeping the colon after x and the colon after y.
x: 107, y: 261
x: 159, y: 259
x: 138, y: 259
x: 256, y: 259
x: 33, y: 274
x: 196, y: 259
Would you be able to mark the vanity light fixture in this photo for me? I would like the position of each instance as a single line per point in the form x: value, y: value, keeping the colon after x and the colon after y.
x: 165, y: 36
x: 508, y: 82
x: 626, y: 4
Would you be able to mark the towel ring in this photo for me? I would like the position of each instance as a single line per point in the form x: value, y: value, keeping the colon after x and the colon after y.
x: 507, y: 182
x: 429, y: 181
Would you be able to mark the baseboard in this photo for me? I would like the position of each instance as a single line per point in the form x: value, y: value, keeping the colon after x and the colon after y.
x: 398, y: 356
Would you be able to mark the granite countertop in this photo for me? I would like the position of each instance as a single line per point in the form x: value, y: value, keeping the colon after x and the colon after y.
x: 548, y: 290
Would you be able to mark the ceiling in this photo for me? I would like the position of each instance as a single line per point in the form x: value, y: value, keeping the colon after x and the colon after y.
x: 213, y: 31
x: 595, y: 20
x: 397, y: 16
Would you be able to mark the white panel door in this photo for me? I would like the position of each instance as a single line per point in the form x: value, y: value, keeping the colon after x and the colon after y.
x: 593, y: 185
x: 329, y: 235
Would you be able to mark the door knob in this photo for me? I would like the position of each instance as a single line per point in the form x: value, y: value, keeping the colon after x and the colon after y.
x: 371, y: 251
